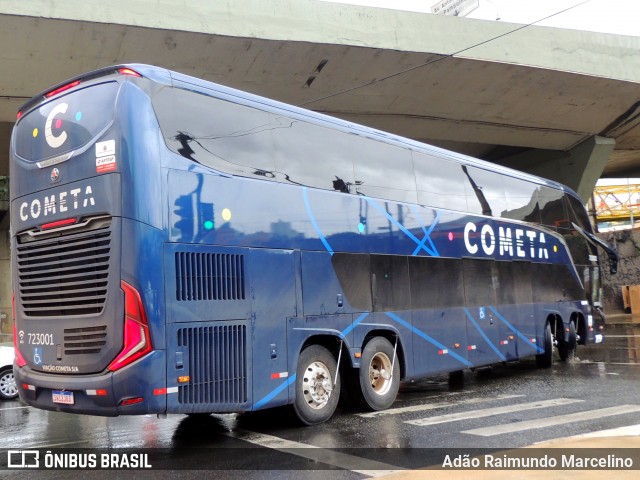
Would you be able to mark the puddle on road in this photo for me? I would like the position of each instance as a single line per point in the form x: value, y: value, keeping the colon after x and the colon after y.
x: 621, y: 345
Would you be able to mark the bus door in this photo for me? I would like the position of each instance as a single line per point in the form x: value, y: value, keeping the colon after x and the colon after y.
x: 483, y: 326
x: 515, y: 310
x: 274, y: 277
x: 440, y: 335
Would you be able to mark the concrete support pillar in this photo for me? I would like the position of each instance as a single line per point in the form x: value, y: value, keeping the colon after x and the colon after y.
x: 6, y: 321
x: 579, y: 168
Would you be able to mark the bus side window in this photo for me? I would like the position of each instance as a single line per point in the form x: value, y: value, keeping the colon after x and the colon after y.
x: 225, y: 136
x: 552, y: 212
x: 440, y: 182
x: 578, y: 246
x: 383, y: 171
x: 484, y: 191
x: 522, y: 200
x: 577, y: 213
x: 436, y: 283
x: 312, y: 155
x: 480, y: 282
x: 390, y: 283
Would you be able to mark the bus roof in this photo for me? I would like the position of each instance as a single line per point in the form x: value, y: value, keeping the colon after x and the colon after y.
x: 175, y: 79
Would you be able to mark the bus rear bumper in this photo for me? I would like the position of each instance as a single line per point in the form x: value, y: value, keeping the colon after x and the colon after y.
x: 130, y: 391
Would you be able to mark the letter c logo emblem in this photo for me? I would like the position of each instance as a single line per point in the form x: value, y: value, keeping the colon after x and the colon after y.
x: 52, y: 140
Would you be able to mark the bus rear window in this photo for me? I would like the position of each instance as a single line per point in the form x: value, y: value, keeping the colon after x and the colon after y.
x: 66, y: 123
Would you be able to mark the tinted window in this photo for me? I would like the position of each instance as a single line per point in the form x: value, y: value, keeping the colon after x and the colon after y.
x: 578, y: 247
x: 66, y: 123
x: 390, y: 283
x: 225, y: 136
x: 440, y: 182
x: 480, y: 282
x: 555, y: 283
x: 383, y: 170
x: 522, y: 200
x: 552, y: 212
x: 312, y: 155
x: 354, y: 273
x: 577, y: 213
x: 436, y: 282
x: 485, y: 192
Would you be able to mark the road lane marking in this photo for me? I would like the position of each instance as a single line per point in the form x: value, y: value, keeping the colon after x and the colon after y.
x: 488, y: 412
x: 12, y: 408
x: 51, y: 445
x: 627, y: 431
x: 434, y: 406
x: 344, y: 461
x: 554, y: 421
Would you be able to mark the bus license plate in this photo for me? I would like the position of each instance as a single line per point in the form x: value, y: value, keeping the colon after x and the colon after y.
x: 62, y: 397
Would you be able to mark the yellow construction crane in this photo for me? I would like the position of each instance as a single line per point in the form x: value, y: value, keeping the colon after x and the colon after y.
x: 617, y: 202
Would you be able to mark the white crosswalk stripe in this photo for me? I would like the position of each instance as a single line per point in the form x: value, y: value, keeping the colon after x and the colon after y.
x: 553, y: 421
x: 435, y: 406
x: 487, y: 412
x: 370, y: 468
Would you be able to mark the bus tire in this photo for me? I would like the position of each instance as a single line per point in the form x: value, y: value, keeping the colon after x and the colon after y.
x: 567, y: 348
x: 316, y: 395
x: 378, y: 383
x: 545, y: 359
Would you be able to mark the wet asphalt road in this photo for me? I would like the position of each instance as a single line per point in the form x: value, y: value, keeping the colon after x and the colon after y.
x: 504, y: 407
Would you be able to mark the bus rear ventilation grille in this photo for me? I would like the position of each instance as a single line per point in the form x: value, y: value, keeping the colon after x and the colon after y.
x: 217, y: 358
x: 65, y: 275
x: 85, y: 340
x: 209, y: 276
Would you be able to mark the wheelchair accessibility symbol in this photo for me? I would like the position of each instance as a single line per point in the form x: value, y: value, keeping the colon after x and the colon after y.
x: 37, y: 356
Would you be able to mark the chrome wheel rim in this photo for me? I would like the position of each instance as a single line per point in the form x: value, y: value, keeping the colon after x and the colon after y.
x: 380, y: 369
x: 317, y: 385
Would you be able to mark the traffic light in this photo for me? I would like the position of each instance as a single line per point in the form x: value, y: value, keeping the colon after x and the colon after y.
x: 184, y: 215
x: 206, y: 217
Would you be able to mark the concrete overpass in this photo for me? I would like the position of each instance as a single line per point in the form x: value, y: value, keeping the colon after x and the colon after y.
x: 560, y: 103
x: 540, y: 99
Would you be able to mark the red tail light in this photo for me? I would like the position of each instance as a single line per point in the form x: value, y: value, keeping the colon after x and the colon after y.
x: 20, y: 361
x: 61, y: 89
x: 137, y: 340
x: 128, y: 71
x: 59, y: 223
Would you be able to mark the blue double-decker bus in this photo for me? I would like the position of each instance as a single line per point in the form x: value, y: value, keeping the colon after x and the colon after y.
x: 183, y: 247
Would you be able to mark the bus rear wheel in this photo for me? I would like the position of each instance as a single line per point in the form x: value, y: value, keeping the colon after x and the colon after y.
x: 567, y: 348
x: 545, y: 359
x: 379, y: 374
x: 316, y: 395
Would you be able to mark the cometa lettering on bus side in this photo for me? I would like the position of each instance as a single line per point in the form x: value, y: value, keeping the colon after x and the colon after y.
x: 516, y: 242
x: 52, y: 204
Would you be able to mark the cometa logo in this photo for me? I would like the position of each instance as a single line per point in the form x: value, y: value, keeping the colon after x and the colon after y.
x: 62, y: 202
x: 517, y: 242
x: 55, y: 141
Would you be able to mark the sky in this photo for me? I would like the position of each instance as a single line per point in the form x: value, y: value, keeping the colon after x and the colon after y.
x: 620, y: 17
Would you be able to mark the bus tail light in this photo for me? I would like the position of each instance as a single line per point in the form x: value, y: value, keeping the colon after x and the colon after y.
x: 137, y: 340
x: 61, y: 89
x: 128, y: 71
x: 20, y: 361
x: 131, y: 401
